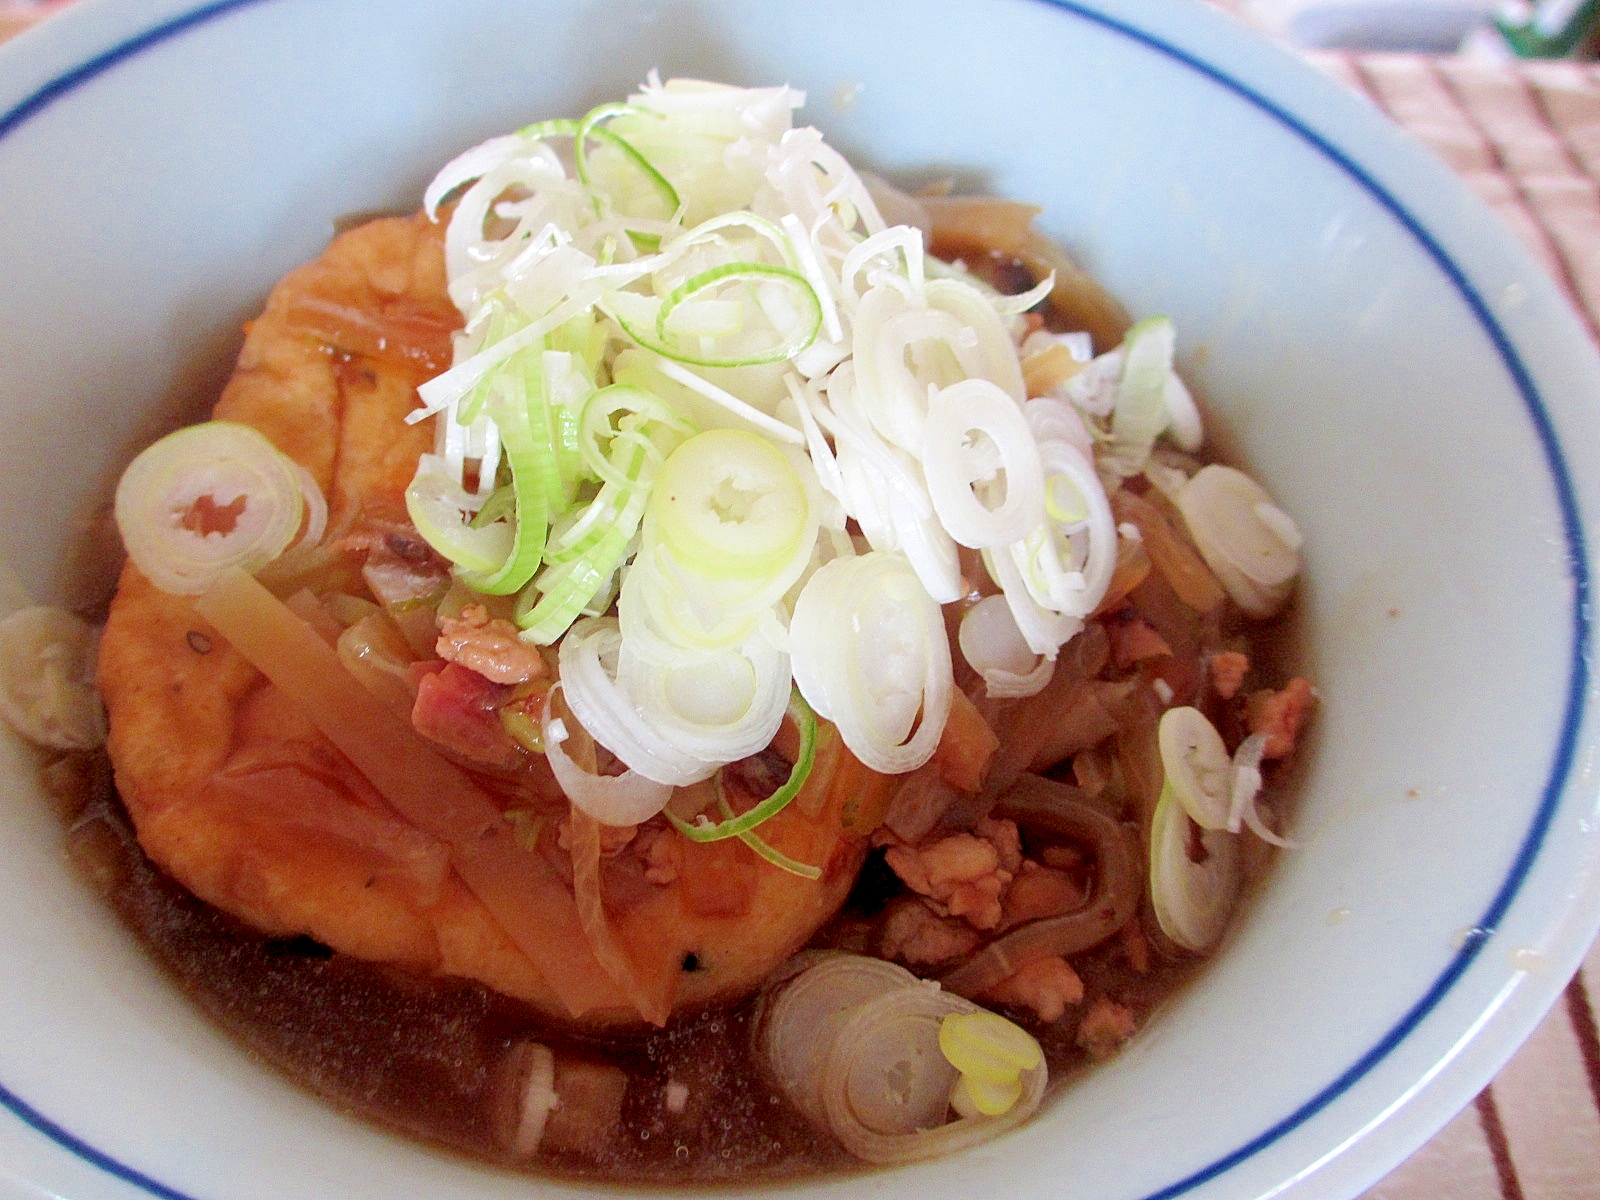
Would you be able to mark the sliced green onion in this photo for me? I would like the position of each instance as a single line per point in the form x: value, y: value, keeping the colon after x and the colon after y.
x: 712, y: 231
x: 656, y: 185
x: 701, y: 319
x: 1139, y: 412
x: 527, y: 451
x: 781, y: 316
x: 584, y: 337
x: 437, y: 505
x: 804, y: 319
x: 502, y: 503
x: 1063, y: 501
x: 1192, y: 900
x: 1198, y: 768
x: 737, y: 826
x: 1250, y: 544
x: 558, y: 127
x: 206, y: 498
x: 585, y: 551
x: 547, y: 608
x: 47, y: 669
x: 728, y: 505
x: 772, y: 854
x: 472, y: 401
x: 642, y: 409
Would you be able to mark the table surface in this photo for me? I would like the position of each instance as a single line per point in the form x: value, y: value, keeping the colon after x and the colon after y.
x: 1526, y: 138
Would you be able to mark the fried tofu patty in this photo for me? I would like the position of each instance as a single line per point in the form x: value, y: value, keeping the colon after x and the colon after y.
x: 236, y: 794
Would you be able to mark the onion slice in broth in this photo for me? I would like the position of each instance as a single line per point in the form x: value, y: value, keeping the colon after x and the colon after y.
x: 871, y: 655
x: 857, y: 1044
x: 209, y: 497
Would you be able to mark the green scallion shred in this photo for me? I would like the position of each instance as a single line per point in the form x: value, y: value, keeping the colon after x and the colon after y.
x: 773, y: 855
x: 501, y: 504
x: 526, y: 451
x: 738, y: 826
x: 656, y: 184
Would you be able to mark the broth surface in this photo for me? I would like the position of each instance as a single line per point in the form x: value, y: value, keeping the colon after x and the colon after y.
x: 431, y: 1058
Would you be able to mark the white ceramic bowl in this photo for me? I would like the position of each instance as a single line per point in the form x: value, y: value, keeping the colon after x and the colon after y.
x: 1396, y: 370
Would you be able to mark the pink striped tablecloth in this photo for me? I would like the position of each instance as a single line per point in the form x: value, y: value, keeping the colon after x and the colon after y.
x: 1526, y: 138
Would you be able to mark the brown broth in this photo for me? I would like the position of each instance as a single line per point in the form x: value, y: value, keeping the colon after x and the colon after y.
x: 434, y: 1058
x: 428, y: 1057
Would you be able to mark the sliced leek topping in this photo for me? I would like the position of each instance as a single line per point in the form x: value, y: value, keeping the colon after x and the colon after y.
x: 862, y: 1048
x: 1195, y: 877
x: 734, y: 314
x: 992, y: 1054
x: 737, y: 826
x: 1250, y: 544
x: 618, y: 173
x: 871, y: 655
x: 766, y: 850
x: 207, y: 498
x: 696, y: 362
x: 727, y: 504
x: 530, y: 458
x: 1140, y: 413
x: 1199, y: 770
x: 47, y: 665
x: 442, y: 511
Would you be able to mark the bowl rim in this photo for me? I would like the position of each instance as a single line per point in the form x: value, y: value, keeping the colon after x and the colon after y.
x: 1576, y: 707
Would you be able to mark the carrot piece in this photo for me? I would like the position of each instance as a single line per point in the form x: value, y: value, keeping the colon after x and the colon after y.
x: 1178, y: 562
x: 966, y: 746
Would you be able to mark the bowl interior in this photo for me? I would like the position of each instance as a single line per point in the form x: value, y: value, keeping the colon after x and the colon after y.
x: 1367, y: 340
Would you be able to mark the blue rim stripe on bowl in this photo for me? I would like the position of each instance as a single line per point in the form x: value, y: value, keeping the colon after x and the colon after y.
x: 1566, y: 499
x: 69, y: 81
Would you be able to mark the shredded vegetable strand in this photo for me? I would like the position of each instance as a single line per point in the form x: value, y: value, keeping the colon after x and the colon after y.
x: 708, y: 266
x: 735, y: 826
x: 431, y: 793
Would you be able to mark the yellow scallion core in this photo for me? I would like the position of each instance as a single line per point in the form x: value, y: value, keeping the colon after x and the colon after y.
x: 991, y: 1053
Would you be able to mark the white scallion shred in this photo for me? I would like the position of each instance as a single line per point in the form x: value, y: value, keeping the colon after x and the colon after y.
x: 732, y: 274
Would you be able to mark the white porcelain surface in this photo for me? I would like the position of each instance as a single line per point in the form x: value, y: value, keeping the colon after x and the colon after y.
x: 1378, y: 349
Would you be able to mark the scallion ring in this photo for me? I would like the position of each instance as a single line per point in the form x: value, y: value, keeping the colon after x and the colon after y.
x: 728, y: 504
x: 737, y: 826
x: 656, y: 183
x: 206, y: 498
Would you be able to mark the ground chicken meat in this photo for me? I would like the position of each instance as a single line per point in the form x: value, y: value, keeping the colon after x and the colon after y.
x: 663, y: 858
x: 1003, y: 834
x: 1228, y: 670
x: 914, y: 934
x: 962, y: 873
x: 1105, y: 1027
x: 492, y: 647
x: 1048, y: 986
x: 1280, y: 714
